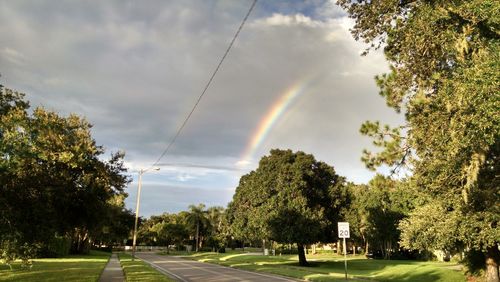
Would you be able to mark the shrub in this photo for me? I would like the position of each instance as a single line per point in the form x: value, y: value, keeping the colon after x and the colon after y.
x: 11, y: 249
x: 58, y: 246
x: 474, y: 262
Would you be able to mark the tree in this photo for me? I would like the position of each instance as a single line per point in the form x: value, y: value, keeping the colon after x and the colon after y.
x: 289, y: 198
x: 171, y: 230
x: 243, y: 226
x: 444, y: 75
x: 172, y: 233
x: 198, y: 222
x: 116, y: 225
x: 148, y: 229
x: 377, y: 209
x: 357, y: 216
x: 53, y: 181
x: 217, y: 235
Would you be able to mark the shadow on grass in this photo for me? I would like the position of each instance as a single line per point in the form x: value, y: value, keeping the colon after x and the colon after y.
x: 359, y: 269
x: 138, y: 270
x: 71, y: 268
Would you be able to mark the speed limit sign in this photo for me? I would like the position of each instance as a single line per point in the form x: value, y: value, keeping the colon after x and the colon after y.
x: 343, y: 229
x: 344, y: 233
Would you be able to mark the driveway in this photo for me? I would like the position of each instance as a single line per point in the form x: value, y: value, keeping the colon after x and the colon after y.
x: 189, y: 270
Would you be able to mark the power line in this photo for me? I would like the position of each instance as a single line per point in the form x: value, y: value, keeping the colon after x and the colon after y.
x: 206, y: 87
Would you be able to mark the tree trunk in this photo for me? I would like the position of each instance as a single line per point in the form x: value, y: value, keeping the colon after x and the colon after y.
x: 382, y: 248
x: 302, y: 255
x: 80, y: 242
x: 197, y: 236
x: 339, y: 249
x: 492, y: 264
x: 389, y: 251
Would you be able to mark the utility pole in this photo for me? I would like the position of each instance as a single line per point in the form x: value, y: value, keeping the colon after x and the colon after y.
x: 141, y: 172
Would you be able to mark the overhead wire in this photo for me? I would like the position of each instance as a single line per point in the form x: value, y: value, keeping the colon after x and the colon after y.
x: 179, y: 130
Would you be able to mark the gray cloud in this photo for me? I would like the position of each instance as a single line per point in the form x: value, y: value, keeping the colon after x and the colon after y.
x: 134, y: 70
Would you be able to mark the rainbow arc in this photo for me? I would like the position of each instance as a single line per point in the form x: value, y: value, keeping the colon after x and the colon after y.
x: 266, y: 124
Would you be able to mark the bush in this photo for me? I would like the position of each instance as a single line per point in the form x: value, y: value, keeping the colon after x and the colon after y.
x: 59, y: 246
x: 11, y: 249
x: 475, y: 262
x: 322, y: 251
x: 406, y: 255
x: 107, y: 249
x: 8, y: 252
x: 286, y: 250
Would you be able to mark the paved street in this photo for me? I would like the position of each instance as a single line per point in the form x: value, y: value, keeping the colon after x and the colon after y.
x: 188, y: 270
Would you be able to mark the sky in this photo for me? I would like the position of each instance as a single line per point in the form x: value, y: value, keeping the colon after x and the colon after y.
x: 294, y: 79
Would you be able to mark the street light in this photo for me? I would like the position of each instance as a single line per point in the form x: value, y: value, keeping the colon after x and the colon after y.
x: 141, y: 172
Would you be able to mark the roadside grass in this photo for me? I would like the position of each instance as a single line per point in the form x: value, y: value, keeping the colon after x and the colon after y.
x: 138, y: 270
x: 70, y: 268
x: 330, y: 267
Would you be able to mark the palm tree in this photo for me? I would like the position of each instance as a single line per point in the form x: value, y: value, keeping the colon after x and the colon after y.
x: 197, y: 218
x: 215, y: 216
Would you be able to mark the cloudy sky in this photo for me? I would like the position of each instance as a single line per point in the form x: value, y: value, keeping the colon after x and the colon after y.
x: 294, y: 79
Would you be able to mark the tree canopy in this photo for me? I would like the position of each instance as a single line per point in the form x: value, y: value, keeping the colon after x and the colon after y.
x: 289, y: 198
x: 53, y: 181
x: 444, y: 76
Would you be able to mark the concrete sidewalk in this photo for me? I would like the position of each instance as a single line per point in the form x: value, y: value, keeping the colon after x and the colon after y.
x: 113, y: 271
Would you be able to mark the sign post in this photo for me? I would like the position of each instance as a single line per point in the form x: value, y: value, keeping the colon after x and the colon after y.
x: 344, y: 233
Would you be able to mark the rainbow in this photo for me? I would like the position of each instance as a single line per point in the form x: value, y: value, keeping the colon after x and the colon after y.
x: 279, y: 107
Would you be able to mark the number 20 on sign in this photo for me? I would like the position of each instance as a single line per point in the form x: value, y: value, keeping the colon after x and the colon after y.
x: 343, y: 229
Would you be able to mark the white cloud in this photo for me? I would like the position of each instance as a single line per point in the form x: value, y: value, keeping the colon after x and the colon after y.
x: 13, y: 56
x: 289, y: 20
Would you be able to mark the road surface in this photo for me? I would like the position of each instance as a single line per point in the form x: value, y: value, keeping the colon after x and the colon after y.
x: 188, y: 270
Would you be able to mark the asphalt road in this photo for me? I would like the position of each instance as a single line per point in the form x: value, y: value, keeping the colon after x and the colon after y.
x: 188, y: 270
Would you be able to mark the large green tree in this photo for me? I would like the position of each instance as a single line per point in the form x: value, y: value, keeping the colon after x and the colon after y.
x: 53, y: 181
x: 444, y: 76
x: 290, y: 198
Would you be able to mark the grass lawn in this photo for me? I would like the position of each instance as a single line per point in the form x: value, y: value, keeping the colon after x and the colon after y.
x: 70, y: 268
x: 328, y: 267
x: 138, y: 270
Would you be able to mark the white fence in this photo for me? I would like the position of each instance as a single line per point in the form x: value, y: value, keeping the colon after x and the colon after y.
x: 146, y: 248
x: 153, y: 248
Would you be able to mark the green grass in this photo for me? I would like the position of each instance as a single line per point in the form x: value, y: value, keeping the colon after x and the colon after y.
x: 328, y: 267
x: 138, y: 270
x: 70, y: 268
